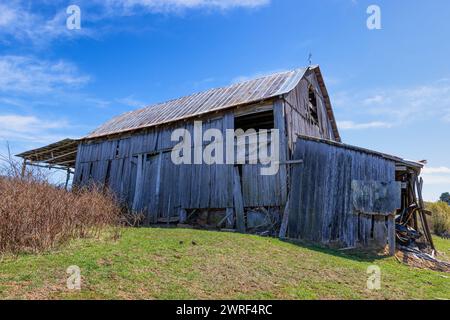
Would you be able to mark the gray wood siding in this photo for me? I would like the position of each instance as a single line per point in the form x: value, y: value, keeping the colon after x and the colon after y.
x: 139, y: 170
x: 321, y: 201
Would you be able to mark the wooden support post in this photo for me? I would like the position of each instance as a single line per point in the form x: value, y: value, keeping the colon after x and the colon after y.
x: 24, y: 168
x: 138, y: 190
x: 67, y: 180
x: 183, y: 215
x: 391, y: 234
x: 419, y: 184
x: 157, y: 188
x: 238, y: 201
x: 230, y: 218
x: 285, y: 221
x: 280, y: 124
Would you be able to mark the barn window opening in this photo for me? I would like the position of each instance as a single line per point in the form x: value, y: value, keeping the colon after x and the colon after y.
x: 117, y: 149
x: 257, y: 121
x: 372, y: 227
x: 312, y: 105
x: 108, y: 174
x: 91, y: 169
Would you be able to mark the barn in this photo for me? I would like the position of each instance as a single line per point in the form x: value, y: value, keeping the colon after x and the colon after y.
x: 323, y: 191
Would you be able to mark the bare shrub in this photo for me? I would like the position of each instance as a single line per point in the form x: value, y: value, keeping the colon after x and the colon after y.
x: 37, y: 216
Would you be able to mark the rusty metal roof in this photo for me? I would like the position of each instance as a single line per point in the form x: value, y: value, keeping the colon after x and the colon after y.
x: 201, y: 103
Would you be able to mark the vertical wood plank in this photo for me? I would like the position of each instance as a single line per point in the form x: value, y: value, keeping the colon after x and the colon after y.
x: 280, y: 124
x: 230, y: 218
x: 238, y: 202
x: 285, y: 221
x: 391, y: 234
x: 138, y: 189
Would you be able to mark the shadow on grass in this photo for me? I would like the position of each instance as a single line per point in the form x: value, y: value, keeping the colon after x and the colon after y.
x: 357, y: 255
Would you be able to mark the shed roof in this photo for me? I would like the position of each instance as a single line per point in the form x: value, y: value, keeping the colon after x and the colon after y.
x: 247, y: 92
x: 398, y: 160
x: 59, y: 155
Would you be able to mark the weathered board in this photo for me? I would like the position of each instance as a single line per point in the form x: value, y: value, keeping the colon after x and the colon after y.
x: 375, y: 197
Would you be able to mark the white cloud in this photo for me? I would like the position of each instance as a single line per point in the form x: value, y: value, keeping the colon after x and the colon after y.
x: 436, y: 176
x: 25, y: 23
x: 30, y: 75
x: 7, y: 15
x: 350, y: 125
x: 15, y: 127
x: 129, y: 7
x: 256, y: 75
x: 395, y: 106
x: 130, y: 101
x: 447, y: 115
x: 437, y: 170
x: 377, y: 99
x: 436, y: 180
x: 42, y: 23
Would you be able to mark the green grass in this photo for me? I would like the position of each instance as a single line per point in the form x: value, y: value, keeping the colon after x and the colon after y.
x: 166, y: 264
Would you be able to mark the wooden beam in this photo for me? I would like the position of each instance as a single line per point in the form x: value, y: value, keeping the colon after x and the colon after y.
x: 230, y: 218
x: 238, y: 201
x: 24, y: 168
x: 157, y: 188
x: 422, y: 212
x: 391, y: 234
x: 183, y: 215
x: 48, y: 166
x: 280, y: 124
x: 139, y: 180
x: 285, y: 221
x: 67, y: 180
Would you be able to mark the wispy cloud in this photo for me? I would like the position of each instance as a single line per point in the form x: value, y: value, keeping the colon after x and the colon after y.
x: 130, y: 7
x: 22, y: 21
x: 394, y: 107
x: 255, y: 75
x: 42, y: 23
x: 25, y: 74
x: 436, y: 175
x: 437, y: 170
x: 351, y: 125
x: 447, y: 115
x: 436, y: 180
x: 14, y: 127
x: 130, y: 101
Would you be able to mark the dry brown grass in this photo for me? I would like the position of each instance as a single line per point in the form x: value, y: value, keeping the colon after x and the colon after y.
x: 36, y: 216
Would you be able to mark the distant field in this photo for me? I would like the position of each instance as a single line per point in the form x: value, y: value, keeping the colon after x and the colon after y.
x: 189, y: 264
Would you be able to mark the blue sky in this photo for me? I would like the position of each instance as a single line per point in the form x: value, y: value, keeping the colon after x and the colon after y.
x: 390, y: 88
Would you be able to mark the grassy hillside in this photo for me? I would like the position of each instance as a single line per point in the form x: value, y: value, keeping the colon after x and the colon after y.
x: 189, y: 264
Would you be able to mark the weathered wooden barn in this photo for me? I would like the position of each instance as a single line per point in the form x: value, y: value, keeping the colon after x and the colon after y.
x: 324, y: 191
